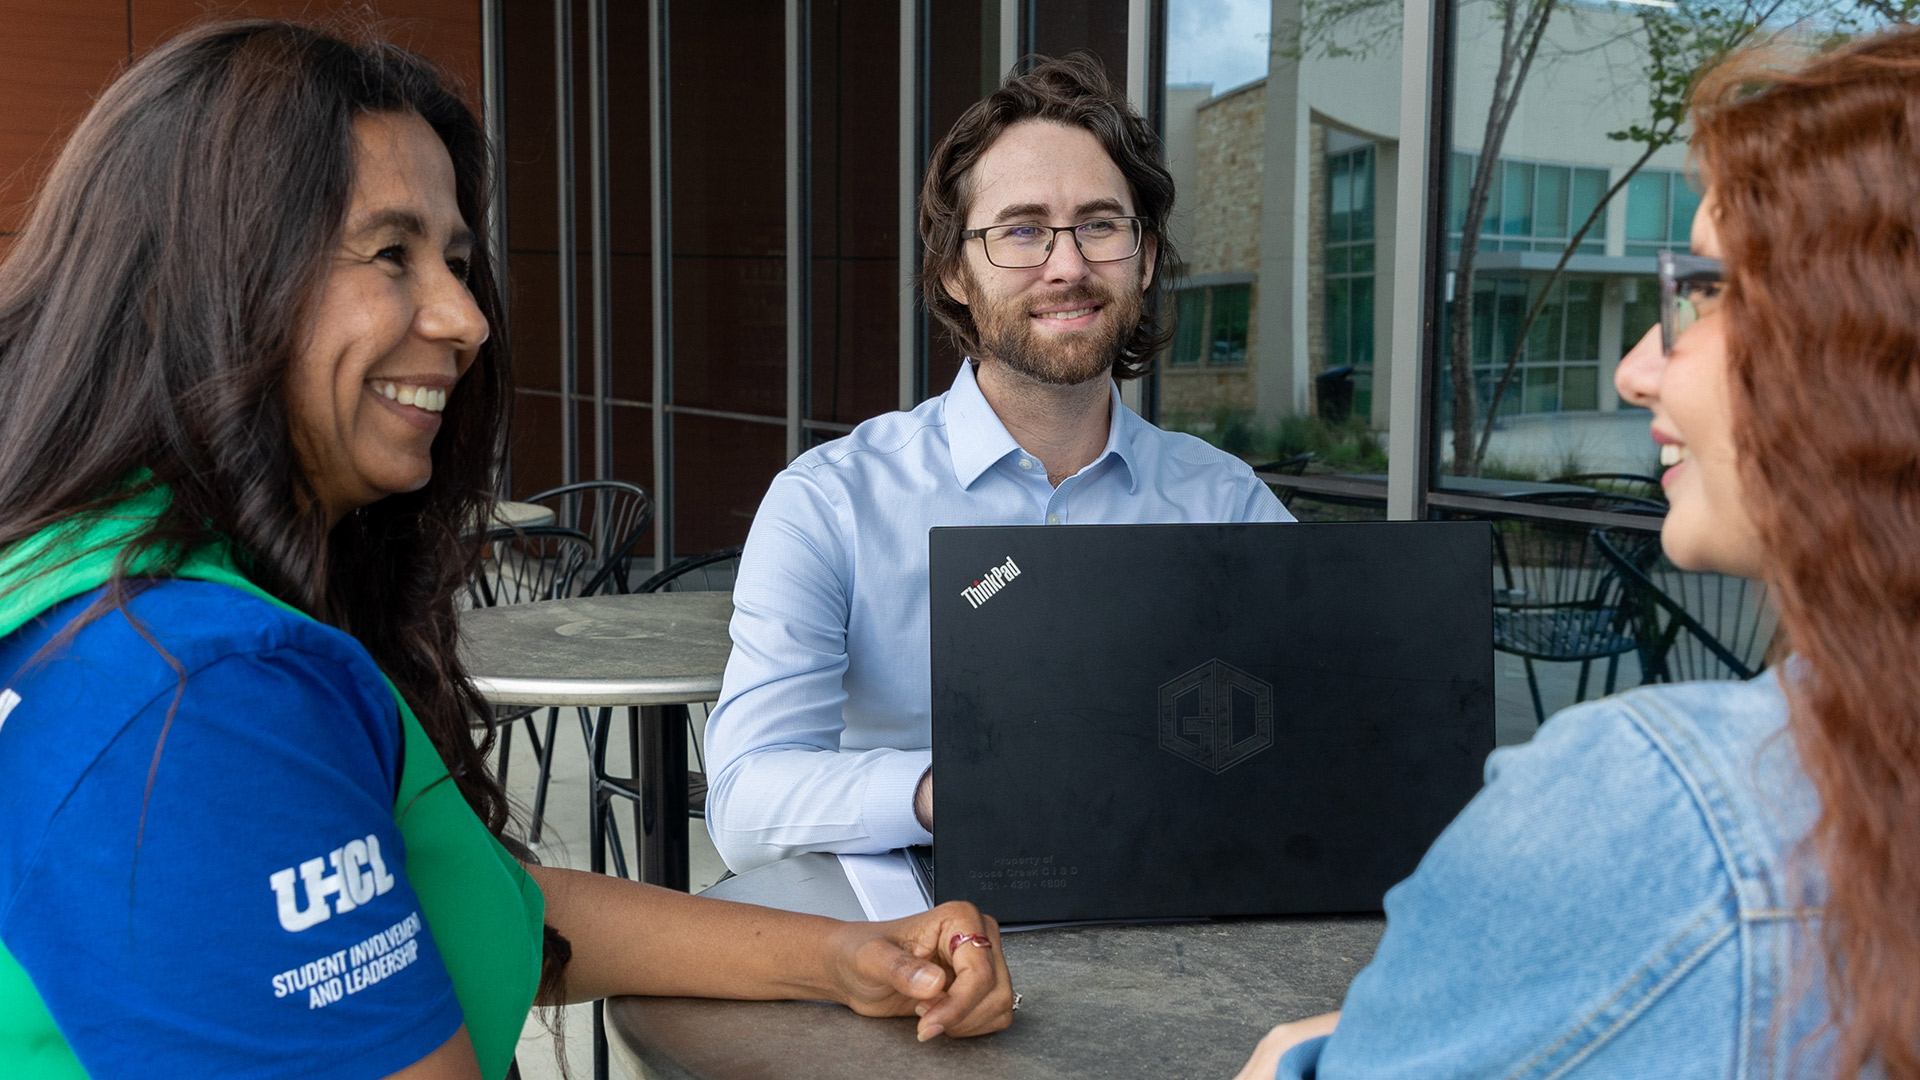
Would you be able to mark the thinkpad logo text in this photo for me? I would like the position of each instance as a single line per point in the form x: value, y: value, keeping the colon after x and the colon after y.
x: 991, y: 583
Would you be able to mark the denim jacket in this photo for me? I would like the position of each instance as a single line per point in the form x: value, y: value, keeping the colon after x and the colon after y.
x: 1629, y: 896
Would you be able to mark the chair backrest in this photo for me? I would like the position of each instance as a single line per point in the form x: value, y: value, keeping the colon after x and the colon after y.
x: 521, y: 566
x: 710, y: 572
x: 1618, y: 483
x: 1693, y: 624
x: 613, y: 513
x: 1293, y: 466
x: 1550, y: 564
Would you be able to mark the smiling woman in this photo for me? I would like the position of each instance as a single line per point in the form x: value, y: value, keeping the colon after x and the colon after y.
x: 395, y: 327
x: 1716, y: 878
x: 251, y: 404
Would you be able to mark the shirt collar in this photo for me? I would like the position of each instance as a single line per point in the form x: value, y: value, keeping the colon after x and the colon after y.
x: 978, y: 440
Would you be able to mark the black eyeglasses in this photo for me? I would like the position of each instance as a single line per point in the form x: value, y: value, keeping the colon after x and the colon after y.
x: 1689, y: 287
x: 1023, y: 247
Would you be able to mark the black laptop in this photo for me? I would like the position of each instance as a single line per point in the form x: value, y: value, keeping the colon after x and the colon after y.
x: 1152, y: 721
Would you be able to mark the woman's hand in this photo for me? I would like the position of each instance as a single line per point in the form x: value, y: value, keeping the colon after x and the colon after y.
x: 1266, y: 1057
x: 928, y: 965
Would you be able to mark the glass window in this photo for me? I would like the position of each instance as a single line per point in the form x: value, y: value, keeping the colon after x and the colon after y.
x: 1547, y: 337
x: 1685, y: 202
x: 1528, y: 199
x: 1350, y: 309
x: 1517, y: 198
x: 1362, y: 175
x: 1459, y: 180
x: 1190, y: 327
x: 1589, y: 185
x: 1340, y: 199
x: 1580, y: 388
x: 1228, y: 325
x: 1647, y: 207
x: 1286, y: 254
x: 1550, y: 204
x: 1361, y: 354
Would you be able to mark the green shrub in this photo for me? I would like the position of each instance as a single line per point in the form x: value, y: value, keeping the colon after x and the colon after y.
x: 1348, y: 446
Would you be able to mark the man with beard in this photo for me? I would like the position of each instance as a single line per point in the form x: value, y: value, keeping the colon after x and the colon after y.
x: 1044, y: 217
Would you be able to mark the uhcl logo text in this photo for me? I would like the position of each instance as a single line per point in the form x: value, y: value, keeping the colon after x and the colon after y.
x: 359, y: 874
x: 990, y: 583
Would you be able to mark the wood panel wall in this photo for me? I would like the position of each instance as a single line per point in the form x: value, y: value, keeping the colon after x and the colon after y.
x: 57, y: 55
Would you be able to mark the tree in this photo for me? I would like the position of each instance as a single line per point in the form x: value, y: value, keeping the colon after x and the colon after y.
x: 1523, y: 23
x: 1680, y: 43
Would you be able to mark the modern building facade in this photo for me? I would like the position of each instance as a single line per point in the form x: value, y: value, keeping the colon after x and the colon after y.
x: 1341, y: 123
x: 708, y: 213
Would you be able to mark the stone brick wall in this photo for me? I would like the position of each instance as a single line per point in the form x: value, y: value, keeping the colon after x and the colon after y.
x: 1230, y: 157
x: 1224, y: 203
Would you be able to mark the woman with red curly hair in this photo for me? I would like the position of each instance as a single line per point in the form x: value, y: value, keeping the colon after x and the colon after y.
x: 1719, y: 879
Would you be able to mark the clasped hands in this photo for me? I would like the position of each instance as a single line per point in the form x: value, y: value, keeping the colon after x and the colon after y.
x: 926, y: 965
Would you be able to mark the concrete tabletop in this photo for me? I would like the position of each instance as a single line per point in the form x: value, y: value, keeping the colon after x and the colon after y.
x: 640, y: 649
x: 1154, y: 1000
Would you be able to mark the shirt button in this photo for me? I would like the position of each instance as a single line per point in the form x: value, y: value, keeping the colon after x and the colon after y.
x: 1026, y: 463
x: 1053, y: 519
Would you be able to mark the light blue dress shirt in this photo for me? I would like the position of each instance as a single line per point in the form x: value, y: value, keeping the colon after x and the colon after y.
x: 823, y: 726
x: 1627, y: 897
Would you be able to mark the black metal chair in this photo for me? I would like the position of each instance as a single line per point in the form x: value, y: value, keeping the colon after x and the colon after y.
x: 614, y: 513
x: 1618, y: 483
x: 523, y: 566
x: 1692, y: 625
x: 1556, y: 597
x: 708, y: 572
x: 1292, y: 466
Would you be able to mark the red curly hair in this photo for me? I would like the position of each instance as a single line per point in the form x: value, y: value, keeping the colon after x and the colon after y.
x: 1815, y: 170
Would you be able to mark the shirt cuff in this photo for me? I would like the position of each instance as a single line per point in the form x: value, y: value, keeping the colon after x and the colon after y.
x: 1302, y: 1061
x: 887, y: 808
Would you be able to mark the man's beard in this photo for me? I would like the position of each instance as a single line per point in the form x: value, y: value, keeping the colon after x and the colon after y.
x: 1007, y: 334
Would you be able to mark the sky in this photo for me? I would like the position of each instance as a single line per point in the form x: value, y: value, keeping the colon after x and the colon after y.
x: 1223, y: 42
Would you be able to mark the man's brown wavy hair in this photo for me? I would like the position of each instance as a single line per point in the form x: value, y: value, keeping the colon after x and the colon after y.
x: 1815, y: 171
x: 1073, y: 90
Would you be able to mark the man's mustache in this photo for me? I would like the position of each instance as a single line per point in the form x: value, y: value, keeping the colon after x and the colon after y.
x: 1082, y: 293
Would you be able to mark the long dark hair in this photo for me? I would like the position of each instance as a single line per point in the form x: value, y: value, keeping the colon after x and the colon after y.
x: 1815, y: 171
x: 1072, y: 90
x: 150, y: 309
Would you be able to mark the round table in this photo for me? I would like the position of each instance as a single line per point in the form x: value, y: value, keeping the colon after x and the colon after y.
x: 652, y: 652
x: 1106, y: 1001
x: 647, y: 651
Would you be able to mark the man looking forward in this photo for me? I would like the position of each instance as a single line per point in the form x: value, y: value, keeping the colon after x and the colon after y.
x: 1044, y: 218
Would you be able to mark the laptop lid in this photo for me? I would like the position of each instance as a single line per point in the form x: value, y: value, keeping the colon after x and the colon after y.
x: 1137, y: 721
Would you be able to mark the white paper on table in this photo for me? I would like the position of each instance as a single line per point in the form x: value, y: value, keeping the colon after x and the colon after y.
x: 885, y: 885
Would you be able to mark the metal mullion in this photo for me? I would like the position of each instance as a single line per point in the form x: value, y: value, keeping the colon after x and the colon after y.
x: 569, y: 287
x: 493, y: 95
x: 1155, y: 110
x: 1013, y: 15
x: 1138, y: 24
x: 723, y: 414
x: 799, y: 208
x: 600, y: 226
x: 911, y: 122
x: 659, y: 130
x: 1424, y: 134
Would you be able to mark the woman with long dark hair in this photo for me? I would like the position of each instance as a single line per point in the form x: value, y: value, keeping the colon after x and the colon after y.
x: 252, y: 396
x: 1719, y: 879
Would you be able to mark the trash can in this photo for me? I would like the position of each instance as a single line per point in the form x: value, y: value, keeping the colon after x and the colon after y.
x: 1333, y: 392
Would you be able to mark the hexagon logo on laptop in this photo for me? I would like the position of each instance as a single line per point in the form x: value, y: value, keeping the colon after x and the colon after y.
x: 1216, y: 716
